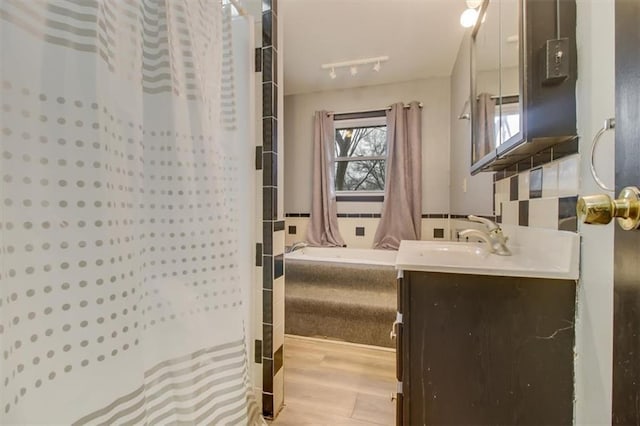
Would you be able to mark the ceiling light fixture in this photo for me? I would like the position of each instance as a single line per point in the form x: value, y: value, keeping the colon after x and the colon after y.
x: 468, y: 18
x: 474, y: 4
x: 353, y: 65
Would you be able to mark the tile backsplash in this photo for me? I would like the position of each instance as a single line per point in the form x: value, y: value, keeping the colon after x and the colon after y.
x: 542, y: 197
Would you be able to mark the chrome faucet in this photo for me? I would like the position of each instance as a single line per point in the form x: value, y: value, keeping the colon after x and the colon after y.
x: 493, y: 236
x: 297, y: 246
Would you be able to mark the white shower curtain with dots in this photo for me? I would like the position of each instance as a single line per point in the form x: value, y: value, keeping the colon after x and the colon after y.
x: 120, y: 298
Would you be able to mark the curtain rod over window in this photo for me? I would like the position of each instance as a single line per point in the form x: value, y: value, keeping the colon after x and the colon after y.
x: 367, y: 112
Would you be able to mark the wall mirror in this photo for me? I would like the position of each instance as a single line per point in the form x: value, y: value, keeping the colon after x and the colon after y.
x: 496, y: 80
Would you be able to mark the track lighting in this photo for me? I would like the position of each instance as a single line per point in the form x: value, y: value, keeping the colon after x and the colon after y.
x: 353, y: 65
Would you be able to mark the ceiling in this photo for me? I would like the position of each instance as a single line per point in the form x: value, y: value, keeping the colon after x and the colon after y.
x: 421, y: 38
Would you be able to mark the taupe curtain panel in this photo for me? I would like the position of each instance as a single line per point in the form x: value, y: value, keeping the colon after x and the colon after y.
x: 486, y: 124
x: 402, y: 207
x: 323, y: 227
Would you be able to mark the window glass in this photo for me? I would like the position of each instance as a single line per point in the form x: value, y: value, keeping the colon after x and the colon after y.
x: 361, y: 153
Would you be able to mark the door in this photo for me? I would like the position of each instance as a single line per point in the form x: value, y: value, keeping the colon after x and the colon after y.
x: 626, y: 334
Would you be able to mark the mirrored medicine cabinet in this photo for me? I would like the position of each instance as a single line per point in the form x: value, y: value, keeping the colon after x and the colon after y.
x: 523, y: 77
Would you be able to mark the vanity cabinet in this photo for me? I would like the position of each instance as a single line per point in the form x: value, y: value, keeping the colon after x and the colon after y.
x: 475, y: 349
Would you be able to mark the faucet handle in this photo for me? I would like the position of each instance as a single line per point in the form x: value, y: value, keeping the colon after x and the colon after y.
x: 488, y: 223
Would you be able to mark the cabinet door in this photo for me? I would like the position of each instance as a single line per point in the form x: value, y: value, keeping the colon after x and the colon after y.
x: 487, y: 350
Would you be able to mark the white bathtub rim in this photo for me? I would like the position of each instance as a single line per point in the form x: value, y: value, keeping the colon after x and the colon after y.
x: 341, y: 255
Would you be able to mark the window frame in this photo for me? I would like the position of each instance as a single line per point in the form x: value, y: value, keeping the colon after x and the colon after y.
x: 355, y: 195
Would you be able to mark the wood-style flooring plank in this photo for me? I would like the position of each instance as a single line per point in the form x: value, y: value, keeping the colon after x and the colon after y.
x: 328, y: 383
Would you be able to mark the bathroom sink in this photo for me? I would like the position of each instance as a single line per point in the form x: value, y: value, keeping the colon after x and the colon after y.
x: 543, y: 254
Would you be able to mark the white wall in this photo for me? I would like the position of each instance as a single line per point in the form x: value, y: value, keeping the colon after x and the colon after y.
x: 594, y: 326
x: 469, y: 194
x: 298, y: 115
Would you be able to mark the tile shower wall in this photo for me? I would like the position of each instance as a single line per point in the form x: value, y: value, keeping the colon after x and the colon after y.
x: 544, y: 196
x: 270, y: 251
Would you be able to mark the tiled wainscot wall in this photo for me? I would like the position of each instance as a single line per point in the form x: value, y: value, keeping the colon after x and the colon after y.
x: 539, y: 192
x: 358, y: 229
x: 541, y: 197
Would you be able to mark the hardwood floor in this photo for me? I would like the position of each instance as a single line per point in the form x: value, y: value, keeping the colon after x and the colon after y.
x: 331, y: 383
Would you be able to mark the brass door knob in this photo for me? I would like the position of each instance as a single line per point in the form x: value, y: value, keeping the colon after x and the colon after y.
x: 601, y: 209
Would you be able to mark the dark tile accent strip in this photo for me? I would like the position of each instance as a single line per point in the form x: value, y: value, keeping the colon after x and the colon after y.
x: 278, y: 357
x: 278, y: 266
x: 513, y: 188
x: 299, y: 215
x: 435, y: 216
x: 360, y: 215
x: 278, y: 226
x: 270, y: 168
x: 268, y: 54
x: 565, y: 149
x: 292, y: 230
x: 270, y: 134
x: 267, y: 340
x: 267, y: 375
x: 535, y: 183
x: 257, y: 349
x: 359, y: 231
x: 523, y: 213
x: 267, y: 405
x: 258, y: 158
x: 499, y: 218
x: 524, y: 165
x: 542, y: 157
x: 267, y: 306
x: 269, y: 203
x: 361, y: 198
x: 258, y: 56
x: 438, y: 232
x: 464, y: 216
x: 268, y: 103
x: 267, y: 272
x: 567, y: 217
x: 267, y: 27
x: 267, y: 237
x: 259, y: 254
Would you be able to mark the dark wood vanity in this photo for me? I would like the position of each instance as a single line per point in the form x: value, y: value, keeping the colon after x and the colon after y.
x: 477, y: 349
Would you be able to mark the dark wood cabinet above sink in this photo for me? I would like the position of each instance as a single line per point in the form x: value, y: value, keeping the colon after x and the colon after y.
x: 523, y: 79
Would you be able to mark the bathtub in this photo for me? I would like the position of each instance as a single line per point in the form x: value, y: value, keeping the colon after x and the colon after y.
x: 345, y: 255
x: 341, y: 294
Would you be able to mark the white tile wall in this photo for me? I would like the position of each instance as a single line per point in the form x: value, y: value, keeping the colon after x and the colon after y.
x: 550, y: 180
x: 543, y: 213
x: 348, y: 226
x: 279, y: 242
x: 569, y: 176
x: 510, y: 213
x: 523, y: 185
x: 502, y: 194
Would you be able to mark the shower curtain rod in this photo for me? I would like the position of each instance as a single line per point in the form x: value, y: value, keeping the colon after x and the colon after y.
x: 367, y: 110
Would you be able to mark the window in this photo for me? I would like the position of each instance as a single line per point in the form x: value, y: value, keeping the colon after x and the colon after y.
x: 510, y: 125
x: 360, y: 155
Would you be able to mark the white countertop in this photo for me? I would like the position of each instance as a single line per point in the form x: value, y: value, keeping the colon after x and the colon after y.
x: 536, y: 253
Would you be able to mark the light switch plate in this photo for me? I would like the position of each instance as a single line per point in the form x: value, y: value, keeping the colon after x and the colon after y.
x: 557, y: 62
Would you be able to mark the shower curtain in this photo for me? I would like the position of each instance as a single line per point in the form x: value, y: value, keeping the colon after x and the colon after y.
x: 120, y: 292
